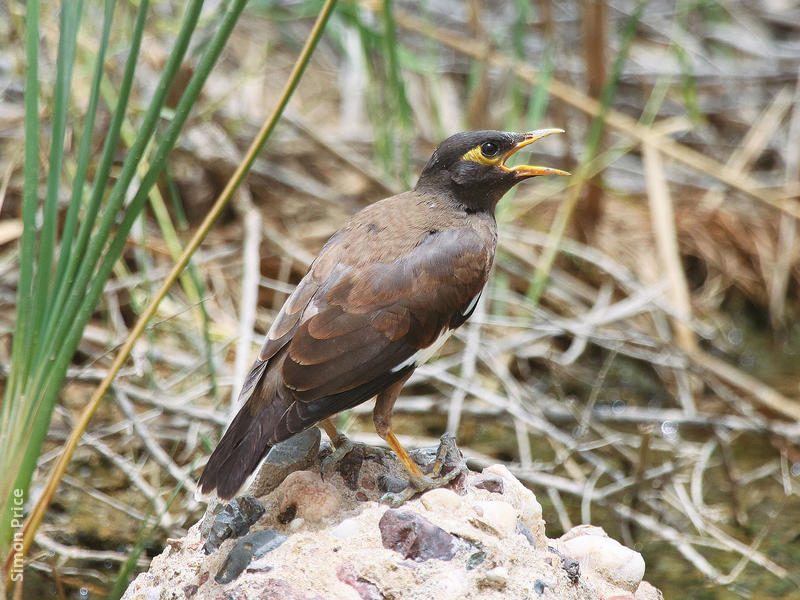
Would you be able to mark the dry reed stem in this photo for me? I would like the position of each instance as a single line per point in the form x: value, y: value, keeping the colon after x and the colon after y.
x: 251, y: 273
x: 153, y: 447
x: 666, y: 238
x: 756, y: 138
x: 787, y: 252
x: 759, y: 391
x: 467, y: 366
x: 361, y: 165
x: 47, y: 542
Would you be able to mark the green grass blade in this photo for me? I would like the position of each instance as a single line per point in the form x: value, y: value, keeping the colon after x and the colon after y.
x: 106, y: 162
x: 22, y: 333
x: 540, y: 97
x: 20, y: 346
x: 81, y: 308
x: 688, y: 84
x: 395, y: 78
x: 24, y: 404
x: 398, y: 89
x: 146, y: 129
x: 193, y: 88
x: 84, y: 153
x: 67, y: 41
x: 97, y: 239
x: 37, y: 513
x: 519, y: 30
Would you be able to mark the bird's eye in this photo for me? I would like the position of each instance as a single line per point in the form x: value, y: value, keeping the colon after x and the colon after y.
x: 489, y: 148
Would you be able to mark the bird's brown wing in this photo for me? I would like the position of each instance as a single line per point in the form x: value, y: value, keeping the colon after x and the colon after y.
x: 281, y: 331
x: 366, y: 321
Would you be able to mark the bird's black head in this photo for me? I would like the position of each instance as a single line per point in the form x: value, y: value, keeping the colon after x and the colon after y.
x: 471, y: 166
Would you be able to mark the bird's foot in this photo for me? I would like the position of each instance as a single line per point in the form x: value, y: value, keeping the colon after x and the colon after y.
x: 344, y: 446
x: 447, y: 455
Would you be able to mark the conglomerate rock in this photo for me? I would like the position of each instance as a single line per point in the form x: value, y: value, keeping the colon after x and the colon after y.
x: 483, y: 537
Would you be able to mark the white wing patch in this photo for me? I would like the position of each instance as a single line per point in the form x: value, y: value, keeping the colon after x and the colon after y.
x: 420, y: 357
x: 472, y: 303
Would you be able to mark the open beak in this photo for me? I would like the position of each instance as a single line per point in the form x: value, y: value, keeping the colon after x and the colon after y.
x: 525, y: 171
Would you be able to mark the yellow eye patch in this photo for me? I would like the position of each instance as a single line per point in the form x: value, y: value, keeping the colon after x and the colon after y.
x: 476, y: 155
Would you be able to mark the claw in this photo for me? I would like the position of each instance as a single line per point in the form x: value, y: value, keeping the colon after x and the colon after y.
x: 328, y: 464
x: 447, y: 450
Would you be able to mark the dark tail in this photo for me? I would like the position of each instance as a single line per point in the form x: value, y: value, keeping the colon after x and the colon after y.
x: 246, y: 442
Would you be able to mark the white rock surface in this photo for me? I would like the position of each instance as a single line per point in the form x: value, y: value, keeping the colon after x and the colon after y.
x: 441, y: 499
x: 604, y: 556
x: 497, y: 517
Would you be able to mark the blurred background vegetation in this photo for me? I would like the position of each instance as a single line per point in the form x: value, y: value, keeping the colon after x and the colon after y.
x: 635, y: 361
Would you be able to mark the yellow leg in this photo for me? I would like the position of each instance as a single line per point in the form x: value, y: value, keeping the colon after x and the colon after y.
x: 405, y: 458
x: 334, y: 434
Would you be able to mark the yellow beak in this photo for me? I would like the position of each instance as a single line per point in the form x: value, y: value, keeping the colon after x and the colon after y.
x: 524, y: 171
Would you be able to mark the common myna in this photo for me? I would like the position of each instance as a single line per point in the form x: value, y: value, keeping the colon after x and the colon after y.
x: 384, y: 289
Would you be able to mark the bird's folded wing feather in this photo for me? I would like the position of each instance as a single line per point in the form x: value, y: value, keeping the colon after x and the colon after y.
x: 352, y: 320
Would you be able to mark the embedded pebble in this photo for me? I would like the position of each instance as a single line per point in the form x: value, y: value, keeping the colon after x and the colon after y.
x: 251, y: 546
x: 295, y: 454
x: 366, y: 590
x: 415, y: 537
x: 498, y: 517
x: 489, y: 482
x: 234, y: 520
x: 441, y: 499
x: 295, y: 524
x: 592, y: 547
x: 530, y: 511
x: 313, y: 498
x: 389, y: 483
x: 346, y: 529
x: 497, y: 577
x: 572, y: 568
x: 476, y: 558
x: 526, y: 533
